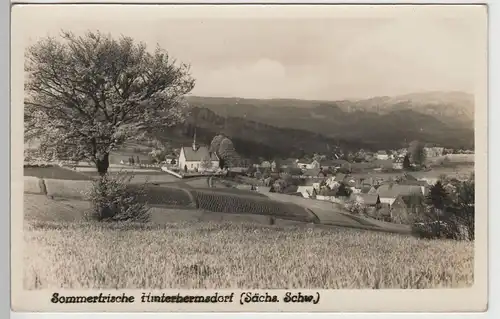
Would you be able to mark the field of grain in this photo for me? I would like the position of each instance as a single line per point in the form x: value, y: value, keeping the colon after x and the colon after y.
x: 223, y: 255
x: 215, y: 201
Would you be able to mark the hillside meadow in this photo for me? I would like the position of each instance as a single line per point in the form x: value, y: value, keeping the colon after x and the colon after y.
x: 66, y: 252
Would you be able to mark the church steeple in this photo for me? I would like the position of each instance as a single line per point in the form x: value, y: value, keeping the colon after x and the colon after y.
x: 194, y: 140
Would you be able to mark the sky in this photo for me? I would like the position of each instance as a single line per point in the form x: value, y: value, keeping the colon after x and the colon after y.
x: 327, y: 54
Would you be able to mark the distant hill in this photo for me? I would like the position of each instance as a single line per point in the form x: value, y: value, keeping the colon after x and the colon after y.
x: 444, y: 118
x: 292, y: 128
x: 253, y: 139
x: 454, y: 106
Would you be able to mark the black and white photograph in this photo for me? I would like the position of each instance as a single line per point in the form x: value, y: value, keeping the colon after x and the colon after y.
x: 211, y: 149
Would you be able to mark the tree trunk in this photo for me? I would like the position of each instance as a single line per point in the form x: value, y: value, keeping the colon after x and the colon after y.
x: 102, y: 164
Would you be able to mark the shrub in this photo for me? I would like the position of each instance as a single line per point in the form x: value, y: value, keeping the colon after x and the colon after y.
x: 114, y: 199
x: 356, y: 208
x: 443, y: 230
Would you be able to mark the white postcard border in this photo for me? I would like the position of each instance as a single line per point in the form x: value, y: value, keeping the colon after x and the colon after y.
x: 397, y: 297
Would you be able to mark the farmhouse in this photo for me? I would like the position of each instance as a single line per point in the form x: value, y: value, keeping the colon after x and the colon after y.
x: 265, y: 164
x: 406, y: 207
x: 370, y: 200
x: 197, y: 158
x: 289, y: 163
x: 304, y: 164
x: 382, y: 155
x: 306, y: 191
x: 313, y: 172
x: 398, y: 163
x: 389, y: 192
x: 434, y: 151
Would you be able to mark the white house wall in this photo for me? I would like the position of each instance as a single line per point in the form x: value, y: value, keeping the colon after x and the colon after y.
x: 387, y: 200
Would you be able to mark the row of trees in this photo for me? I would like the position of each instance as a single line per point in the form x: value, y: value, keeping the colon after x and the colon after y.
x: 453, y: 210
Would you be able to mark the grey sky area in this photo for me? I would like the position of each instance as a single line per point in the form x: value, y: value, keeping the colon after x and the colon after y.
x: 326, y: 58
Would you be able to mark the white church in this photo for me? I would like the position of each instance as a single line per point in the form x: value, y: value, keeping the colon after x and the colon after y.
x: 197, y: 158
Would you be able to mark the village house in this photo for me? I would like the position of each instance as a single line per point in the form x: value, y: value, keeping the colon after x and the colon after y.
x: 429, y: 180
x: 331, y: 182
x: 371, y: 190
x: 389, y: 192
x: 308, y: 164
x: 330, y: 197
x: 407, y: 208
x: 265, y: 164
x: 450, y: 188
x: 336, y: 163
x: 263, y: 189
x: 330, y: 164
x: 382, y: 155
x: 289, y: 163
x: 313, y: 173
x: 409, y: 179
x: 337, y: 155
x: 369, y: 200
x: 197, y: 158
x: 340, y: 177
x: 306, y: 191
x: 171, y: 160
x: 434, y: 151
x: 397, y: 163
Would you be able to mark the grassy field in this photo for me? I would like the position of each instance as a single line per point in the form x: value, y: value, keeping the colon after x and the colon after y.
x: 193, y: 193
x: 140, y: 176
x: 223, y: 255
x: 456, y: 171
x: 64, y: 251
x: 55, y: 173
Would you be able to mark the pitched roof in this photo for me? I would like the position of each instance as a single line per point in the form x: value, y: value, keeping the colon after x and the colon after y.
x: 312, y: 172
x: 410, y: 177
x: 330, y: 163
x: 305, y: 189
x: 365, y: 189
x: 289, y: 161
x: 305, y: 161
x: 334, y: 162
x: 412, y: 201
x: 350, y: 183
x: 369, y: 199
x: 340, y: 177
x: 200, y: 153
x: 394, y: 190
x: 413, y: 182
x: 291, y: 189
x: 263, y: 189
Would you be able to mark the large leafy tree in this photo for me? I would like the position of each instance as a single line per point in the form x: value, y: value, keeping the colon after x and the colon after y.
x: 460, y: 209
x: 463, y: 208
x: 87, y: 95
x: 224, y: 148
x: 438, y: 197
x: 417, y: 152
x: 406, y: 162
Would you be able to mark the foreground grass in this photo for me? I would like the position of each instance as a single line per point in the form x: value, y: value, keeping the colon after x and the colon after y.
x: 209, y: 255
x: 55, y: 172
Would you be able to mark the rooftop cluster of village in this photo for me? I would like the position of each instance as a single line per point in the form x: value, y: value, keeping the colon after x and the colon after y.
x: 390, y: 184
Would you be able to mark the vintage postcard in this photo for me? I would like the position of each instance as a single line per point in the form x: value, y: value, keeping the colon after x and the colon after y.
x: 249, y: 158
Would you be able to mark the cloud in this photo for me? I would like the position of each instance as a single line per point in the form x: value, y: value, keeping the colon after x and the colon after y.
x: 265, y: 78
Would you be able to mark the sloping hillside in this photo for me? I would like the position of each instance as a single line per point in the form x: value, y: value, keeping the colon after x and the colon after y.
x: 382, y: 122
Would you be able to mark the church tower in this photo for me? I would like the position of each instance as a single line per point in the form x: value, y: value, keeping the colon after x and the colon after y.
x: 194, y: 140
